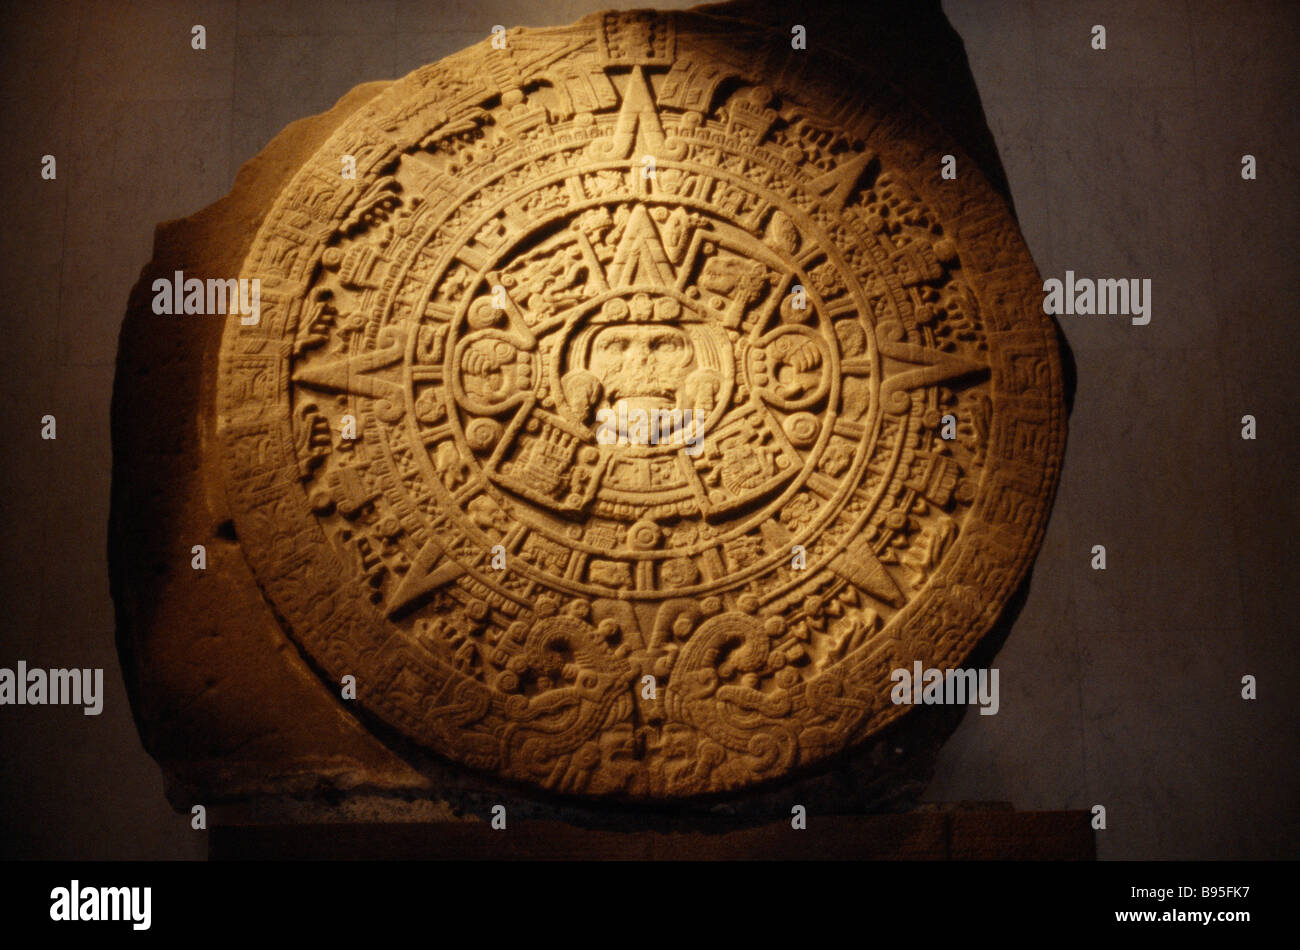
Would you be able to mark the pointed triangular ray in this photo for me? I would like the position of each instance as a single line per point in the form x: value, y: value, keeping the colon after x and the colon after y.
x: 429, y: 572
x: 638, y: 130
x: 837, y: 184
x: 337, y: 377
x: 930, y: 368
x: 640, y: 257
x: 347, y: 374
x: 859, y: 565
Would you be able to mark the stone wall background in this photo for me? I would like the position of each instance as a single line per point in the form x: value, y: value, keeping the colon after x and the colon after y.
x: 1118, y: 687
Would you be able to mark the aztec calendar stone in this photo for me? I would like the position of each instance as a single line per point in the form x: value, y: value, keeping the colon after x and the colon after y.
x: 643, y: 400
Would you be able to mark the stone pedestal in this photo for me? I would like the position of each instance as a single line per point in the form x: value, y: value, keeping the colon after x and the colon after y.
x: 971, y: 831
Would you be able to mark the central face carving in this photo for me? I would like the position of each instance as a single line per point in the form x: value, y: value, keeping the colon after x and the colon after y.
x: 645, y: 370
x: 644, y: 366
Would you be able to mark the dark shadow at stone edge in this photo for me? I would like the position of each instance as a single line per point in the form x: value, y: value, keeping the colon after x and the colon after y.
x: 911, y: 43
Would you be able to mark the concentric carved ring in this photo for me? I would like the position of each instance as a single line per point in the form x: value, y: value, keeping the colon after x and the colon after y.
x: 644, y: 400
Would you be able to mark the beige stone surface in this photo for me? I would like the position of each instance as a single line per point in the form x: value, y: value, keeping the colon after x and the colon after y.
x: 593, y: 221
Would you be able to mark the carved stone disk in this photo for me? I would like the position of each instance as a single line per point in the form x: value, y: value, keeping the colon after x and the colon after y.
x: 643, y: 401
